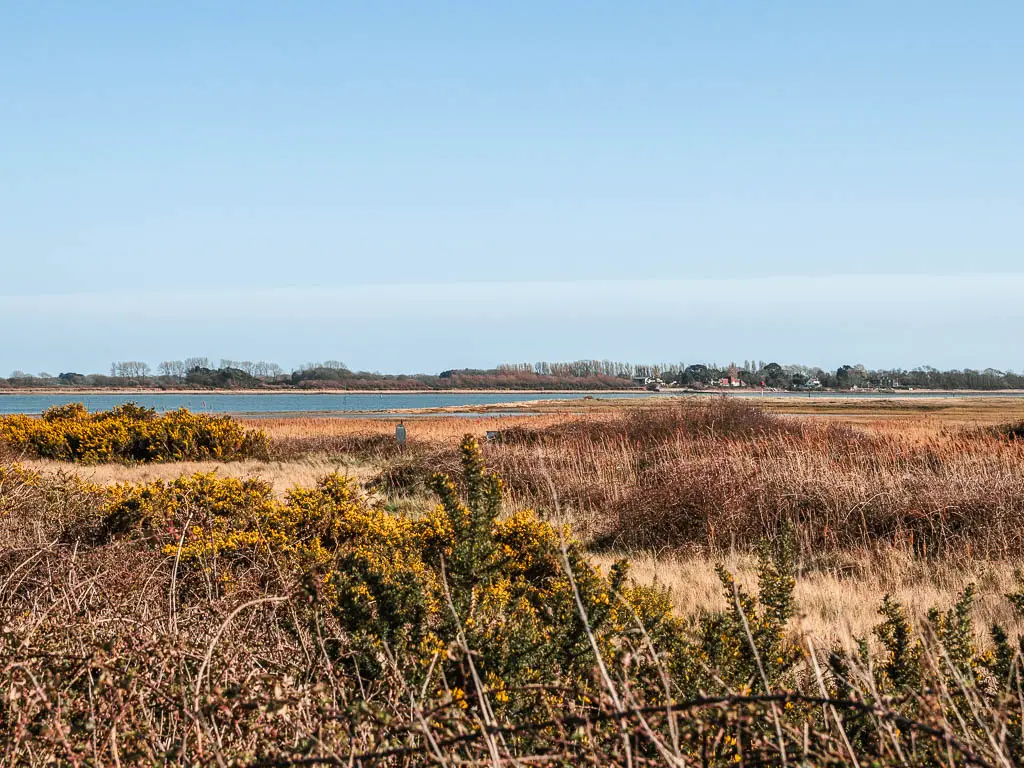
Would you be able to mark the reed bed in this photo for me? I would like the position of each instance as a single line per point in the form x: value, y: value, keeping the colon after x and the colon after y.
x: 721, y: 476
x: 717, y: 475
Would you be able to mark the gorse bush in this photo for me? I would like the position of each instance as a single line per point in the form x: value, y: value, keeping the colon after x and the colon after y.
x: 130, y: 433
x: 415, y: 592
x: 207, y: 620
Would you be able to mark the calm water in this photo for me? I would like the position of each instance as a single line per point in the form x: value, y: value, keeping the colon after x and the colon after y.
x: 285, y: 402
x: 289, y: 402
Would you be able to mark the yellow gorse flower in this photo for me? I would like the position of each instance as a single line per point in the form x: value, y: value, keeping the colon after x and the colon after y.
x: 129, y: 433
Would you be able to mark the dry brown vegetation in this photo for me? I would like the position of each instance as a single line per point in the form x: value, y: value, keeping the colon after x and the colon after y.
x: 917, y: 505
x: 927, y: 412
x: 174, y: 643
x: 719, y: 475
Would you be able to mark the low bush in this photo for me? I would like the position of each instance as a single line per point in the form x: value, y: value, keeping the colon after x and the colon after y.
x: 130, y: 433
x: 1014, y: 431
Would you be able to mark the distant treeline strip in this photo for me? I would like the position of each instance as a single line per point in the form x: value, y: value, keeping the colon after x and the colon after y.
x: 202, y: 373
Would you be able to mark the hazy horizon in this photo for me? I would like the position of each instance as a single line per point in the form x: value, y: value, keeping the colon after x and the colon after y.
x: 959, y: 321
x: 409, y: 188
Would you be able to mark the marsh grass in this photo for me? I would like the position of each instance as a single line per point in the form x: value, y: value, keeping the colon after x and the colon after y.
x: 714, y: 476
x: 1012, y: 431
x: 721, y: 475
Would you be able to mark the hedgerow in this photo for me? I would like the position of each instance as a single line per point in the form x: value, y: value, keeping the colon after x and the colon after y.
x: 130, y: 433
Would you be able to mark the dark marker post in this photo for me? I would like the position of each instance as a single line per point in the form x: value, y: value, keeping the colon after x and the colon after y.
x: 400, y: 434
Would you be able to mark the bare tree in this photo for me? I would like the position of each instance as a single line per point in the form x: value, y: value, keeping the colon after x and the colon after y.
x: 174, y: 368
x: 130, y: 369
x: 192, y: 363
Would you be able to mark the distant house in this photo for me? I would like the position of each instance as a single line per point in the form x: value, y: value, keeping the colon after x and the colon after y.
x: 648, y: 382
x: 809, y: 384
x: 732, y: 380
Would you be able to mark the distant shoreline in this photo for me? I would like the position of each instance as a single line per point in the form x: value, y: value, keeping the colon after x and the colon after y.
x: 275, y: 392
x: 490, y: 391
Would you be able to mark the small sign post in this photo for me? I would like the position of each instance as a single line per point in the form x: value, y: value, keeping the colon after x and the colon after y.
x: 400, y: 435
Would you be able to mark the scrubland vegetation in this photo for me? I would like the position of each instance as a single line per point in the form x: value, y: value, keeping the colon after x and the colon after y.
x: 413, y: 607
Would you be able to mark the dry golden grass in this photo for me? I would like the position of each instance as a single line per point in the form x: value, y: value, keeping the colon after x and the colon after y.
x: 839, y: 604
x: 931, y: 412
x: 941, y: 410
x: 113, y: 654
x: 194, y: 630
x: 705, y: 478
x: 281, y: 475
x: 428, y: 429
x: 924, y: 416
x: 865, y: 481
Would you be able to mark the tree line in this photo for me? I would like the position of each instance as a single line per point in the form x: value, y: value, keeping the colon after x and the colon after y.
x: 202, y: 372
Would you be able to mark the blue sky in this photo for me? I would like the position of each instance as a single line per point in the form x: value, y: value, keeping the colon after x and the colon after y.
x: 671, y: 181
